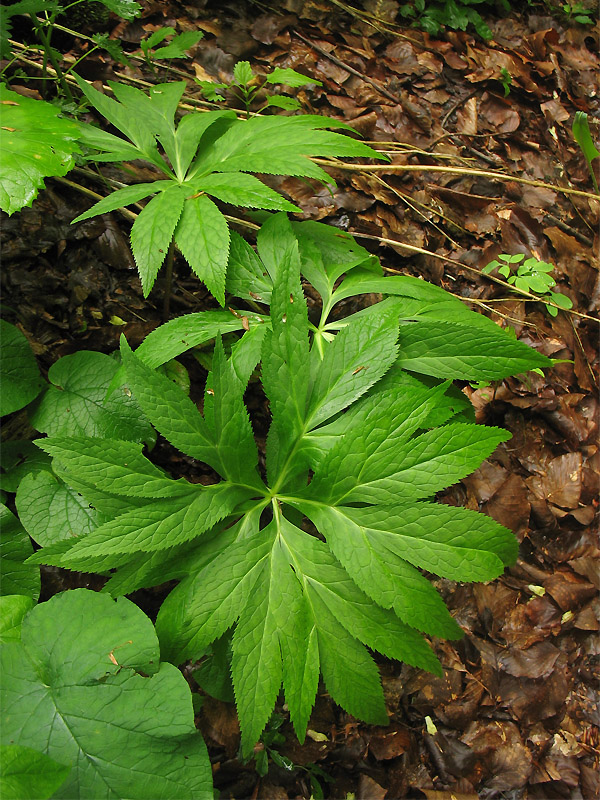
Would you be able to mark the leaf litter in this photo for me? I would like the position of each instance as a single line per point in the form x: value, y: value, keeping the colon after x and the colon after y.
x: 516, y: 712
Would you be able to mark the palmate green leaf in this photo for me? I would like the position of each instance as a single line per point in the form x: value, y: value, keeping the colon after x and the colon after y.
x: 20, y: 380
x: 447, y: 350
x: 207, y: 603
x: 123, y: 197
x: 297, y: 605
x: 344, y: 617
x: 156, y: 110
x: 372, y: 467
x: 156, y: 526
x: 75, y: 402
x: 177, y: 47
x: 152, y: 232
x: 202, y: 236
x: 389, y: 580
x: 254, y: 580
x: 175, y: 416
x: 367, y: 437
x: 133, y: 125
x: 71, y: 690
x: 174, y: 563
x: 26, y: 774
x: 357, y: 358
x: 326, y: 253
x: 246, y: 274
x: 111, y: 465
x: 181, y: 334
x: 243, y: 190
x: 35, y: 144
x: 397, y: 390
x: 227, y: 418
x: 454, y: 543
x: 323, y: 577
x: 278, y: 146
x: 284, y: 359
x: 228, y: 149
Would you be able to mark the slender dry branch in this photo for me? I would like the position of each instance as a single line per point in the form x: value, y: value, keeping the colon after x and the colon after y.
x: 482, y: 173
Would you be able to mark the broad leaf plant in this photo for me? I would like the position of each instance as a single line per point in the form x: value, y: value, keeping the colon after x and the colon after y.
x: 206, y: 156
x: 315, y: 555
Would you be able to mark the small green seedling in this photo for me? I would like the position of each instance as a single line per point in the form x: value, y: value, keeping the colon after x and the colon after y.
x: 246, y: 85
x: 506, y: 80
x: 44, y: 15
x: 435, y: 15
x: 583, y: 137
x: 270, y: 740
x: 577, y: 12
x: 177, y: 46
x: 531, y: 276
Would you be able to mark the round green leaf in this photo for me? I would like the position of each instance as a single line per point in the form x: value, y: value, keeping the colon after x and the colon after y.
x: 51, y: 511
x: 13, y: 608
x: 71, y: 689
x: 76, y: 403
x: 28, y: 775
x: 17, y: 577
x: 20, y: 380
x: 19, y: 458
x: 561, y: 300
x: 35, y: 143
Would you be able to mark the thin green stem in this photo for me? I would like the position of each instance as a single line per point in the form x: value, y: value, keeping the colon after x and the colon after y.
x: 286, y: 466
x: 594, y: 179
x: 85, y: 55
x: 45, y: 39
x: 13, y: 59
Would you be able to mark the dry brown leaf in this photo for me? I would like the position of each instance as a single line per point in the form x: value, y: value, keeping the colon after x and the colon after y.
x: 560, y: 483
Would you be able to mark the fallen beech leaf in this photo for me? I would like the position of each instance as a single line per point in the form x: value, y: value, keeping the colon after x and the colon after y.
x: 535, y: 662
x: 561, y: 483
x: 531, y: 622
x: 386, y: 745
x: 466, y: 117
x: 568, y: 590
x: 369, y: 790
x: 504, y: 756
